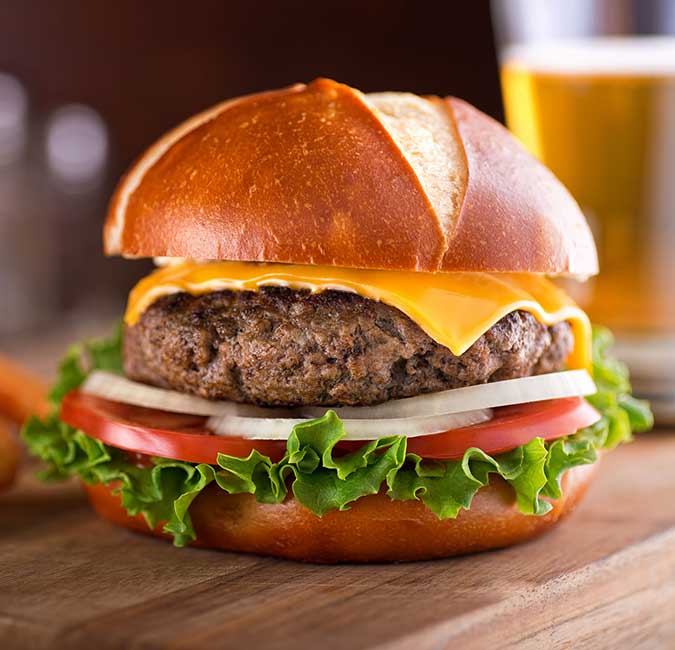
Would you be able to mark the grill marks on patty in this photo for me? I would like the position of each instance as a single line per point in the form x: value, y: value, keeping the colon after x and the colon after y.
x: 282, y: 346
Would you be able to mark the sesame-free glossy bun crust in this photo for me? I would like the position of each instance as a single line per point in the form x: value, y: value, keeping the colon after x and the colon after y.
x: 374, y: 529
x: 323, y: 174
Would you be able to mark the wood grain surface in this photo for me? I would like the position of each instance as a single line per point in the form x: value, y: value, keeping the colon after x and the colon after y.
x: 605, y: 579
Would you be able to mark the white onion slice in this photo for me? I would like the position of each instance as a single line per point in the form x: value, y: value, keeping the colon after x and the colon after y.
x: 254, y: 422
x: 280, y: 428
x: 555, y: 385
x: 120, y: 389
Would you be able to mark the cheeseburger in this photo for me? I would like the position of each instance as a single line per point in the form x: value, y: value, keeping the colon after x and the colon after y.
x: 353, y: 348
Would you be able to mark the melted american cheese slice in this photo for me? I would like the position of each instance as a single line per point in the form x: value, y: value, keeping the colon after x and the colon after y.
x: 454, y: 309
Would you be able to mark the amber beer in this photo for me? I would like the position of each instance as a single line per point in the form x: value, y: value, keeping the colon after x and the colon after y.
x: 601, y: 114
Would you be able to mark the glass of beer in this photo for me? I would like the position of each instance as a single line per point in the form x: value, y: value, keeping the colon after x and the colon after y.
x: 589, y: 88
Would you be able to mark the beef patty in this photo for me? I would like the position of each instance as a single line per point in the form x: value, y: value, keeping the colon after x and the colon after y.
x: 280, y: 346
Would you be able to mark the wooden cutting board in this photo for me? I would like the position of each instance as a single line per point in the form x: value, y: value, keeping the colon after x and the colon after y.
x: 605, y: 579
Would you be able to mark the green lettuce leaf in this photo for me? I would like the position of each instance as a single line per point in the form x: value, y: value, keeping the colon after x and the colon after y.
x: 319, y: 478
x: 82, y: 358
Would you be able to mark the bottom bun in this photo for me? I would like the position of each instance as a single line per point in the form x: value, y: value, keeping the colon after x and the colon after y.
x: 9, y: 457
x: 374, y: 529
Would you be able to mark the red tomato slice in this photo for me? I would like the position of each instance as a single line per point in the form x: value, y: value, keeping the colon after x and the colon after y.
x: 511, y: 427
x: 185, y: 437
x: 157, y: 433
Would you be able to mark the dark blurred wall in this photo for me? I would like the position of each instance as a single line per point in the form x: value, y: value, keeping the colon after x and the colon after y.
x: 146, y: 65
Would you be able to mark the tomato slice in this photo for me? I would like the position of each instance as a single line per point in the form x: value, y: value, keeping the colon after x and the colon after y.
x: 511, y: 427
x: 185, y: 437
x: 157, y: 433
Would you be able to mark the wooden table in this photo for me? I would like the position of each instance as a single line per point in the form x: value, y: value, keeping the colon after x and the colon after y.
x: 605, y: 579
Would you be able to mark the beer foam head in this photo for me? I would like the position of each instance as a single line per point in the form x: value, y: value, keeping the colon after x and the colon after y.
x: 639, y: 55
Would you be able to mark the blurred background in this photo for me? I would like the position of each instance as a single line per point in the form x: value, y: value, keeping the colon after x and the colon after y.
x: 85, y: 87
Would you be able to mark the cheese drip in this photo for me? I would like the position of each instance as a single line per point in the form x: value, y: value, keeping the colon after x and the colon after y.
x: 454, y: 309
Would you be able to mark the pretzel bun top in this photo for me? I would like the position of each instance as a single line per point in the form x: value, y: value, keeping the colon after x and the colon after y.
x: 324, y: 174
